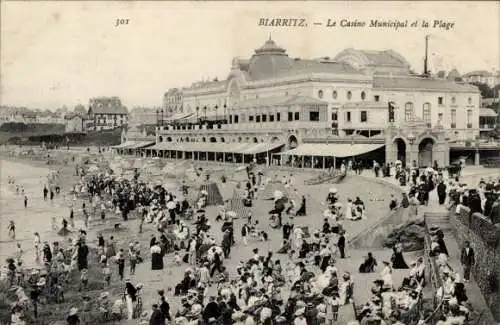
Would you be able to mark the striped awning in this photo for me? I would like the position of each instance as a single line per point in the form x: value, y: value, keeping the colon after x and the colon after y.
x: 340, y: 150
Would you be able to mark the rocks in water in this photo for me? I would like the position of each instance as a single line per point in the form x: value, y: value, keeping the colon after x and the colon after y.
x: 410, y: 234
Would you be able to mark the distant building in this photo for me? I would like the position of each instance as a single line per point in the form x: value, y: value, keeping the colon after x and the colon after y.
x: 483, y: 76
x: 107, y: 113
x: 75, y: 122
x: 172, y: 102
x: 143, y: 116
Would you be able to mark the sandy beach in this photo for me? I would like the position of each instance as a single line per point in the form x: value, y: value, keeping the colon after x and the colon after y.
x: 32, y: 175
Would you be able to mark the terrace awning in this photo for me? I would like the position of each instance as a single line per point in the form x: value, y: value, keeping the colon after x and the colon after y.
x: 488, y: 112
x: 125, y: 144
x: 260, y: 147
x: 340, y: 150
x: 178, y: 116
x: 238, y: 148
x: 140, y: 144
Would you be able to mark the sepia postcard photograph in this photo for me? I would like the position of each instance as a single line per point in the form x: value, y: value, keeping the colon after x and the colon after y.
x: 249, y: 162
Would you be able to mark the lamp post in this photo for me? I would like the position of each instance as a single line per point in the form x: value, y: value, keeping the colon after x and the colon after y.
x: 197, y: 110
x: 205, y: 112
x: 216, y: 109
x: 157, y: 118
x: 411, y: 139
x: 161, y: 117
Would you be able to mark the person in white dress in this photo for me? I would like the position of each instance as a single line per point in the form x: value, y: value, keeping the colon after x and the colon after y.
x: 36, y: 246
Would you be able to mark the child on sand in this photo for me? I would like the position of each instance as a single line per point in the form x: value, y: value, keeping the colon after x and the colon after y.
x: 12, y: 230
x: 19, y: 254
x: 177, y: 258
x: 84, y: 279
x: 54, y: 223
x: 36, y: 246
x: 106, y: 271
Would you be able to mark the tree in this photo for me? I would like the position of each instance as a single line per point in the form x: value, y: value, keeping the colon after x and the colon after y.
x: 80, y: 109
x: 486, y: 91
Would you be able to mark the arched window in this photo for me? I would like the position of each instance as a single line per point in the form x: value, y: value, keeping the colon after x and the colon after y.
x: 363, y: 95
x: 349, y: 95
x: 426, y: 113
x: 334, y: 94
x: 320, y: 94
x: 409, y: 112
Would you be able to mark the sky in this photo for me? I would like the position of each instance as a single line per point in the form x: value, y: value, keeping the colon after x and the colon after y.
x: 63, y: 53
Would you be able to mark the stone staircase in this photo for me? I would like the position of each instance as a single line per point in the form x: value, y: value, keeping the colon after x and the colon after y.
x: 438, y: 219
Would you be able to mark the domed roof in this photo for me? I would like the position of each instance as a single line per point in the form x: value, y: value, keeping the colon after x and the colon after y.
x: 268, y: 60
x: 270, y: 47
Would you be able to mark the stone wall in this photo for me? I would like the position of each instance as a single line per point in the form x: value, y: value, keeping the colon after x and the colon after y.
x: 485, y: 240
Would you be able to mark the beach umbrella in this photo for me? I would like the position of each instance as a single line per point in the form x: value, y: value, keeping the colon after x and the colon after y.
x: 231, y: 214
x: 171, y: 205
x: 203, y: 192
x: 278, y: 195
x: 93, y: 169
x: 332, y: 190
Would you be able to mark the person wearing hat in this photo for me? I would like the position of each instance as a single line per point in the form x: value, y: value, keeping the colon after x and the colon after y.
x: 130, y: 297
x: 73, y: 318
x: 157, y: 317
x: 164, y: 305
x: 299, y: 317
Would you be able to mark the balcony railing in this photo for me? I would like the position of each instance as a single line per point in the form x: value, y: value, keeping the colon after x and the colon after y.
x: 487, y: 126
x: 265, y: 126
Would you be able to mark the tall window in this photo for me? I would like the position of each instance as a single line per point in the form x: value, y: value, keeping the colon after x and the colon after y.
x: 409, y: 112
x: 453, y: 118
x: 469, y: 118
x: 348, y: 116
x: 363, y: 95
x: 426, y: 113
x: 364, y: 116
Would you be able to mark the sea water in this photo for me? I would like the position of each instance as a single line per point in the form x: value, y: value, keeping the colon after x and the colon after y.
x: 37, y: 217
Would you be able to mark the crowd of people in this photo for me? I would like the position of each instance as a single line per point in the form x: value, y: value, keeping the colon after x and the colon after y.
x: 301, y: 283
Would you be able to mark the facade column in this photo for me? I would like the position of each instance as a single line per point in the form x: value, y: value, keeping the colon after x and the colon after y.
x: 323, y: 162
x: 334, y: 162
x: 476, y: 158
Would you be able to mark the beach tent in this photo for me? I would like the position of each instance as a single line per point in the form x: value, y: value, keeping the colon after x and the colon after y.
x: 272, y: 186
x: 213, y: 197
x: 236, y: 204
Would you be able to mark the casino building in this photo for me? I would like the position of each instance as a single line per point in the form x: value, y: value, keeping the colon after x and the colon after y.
x: 315, y: 113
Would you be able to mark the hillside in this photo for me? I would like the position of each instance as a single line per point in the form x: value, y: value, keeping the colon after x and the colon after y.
x: 34, y: 134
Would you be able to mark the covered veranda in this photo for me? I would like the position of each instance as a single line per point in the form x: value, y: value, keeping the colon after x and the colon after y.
x: 326, y: 155
x: 132, y: 147
x: 218, y: 152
